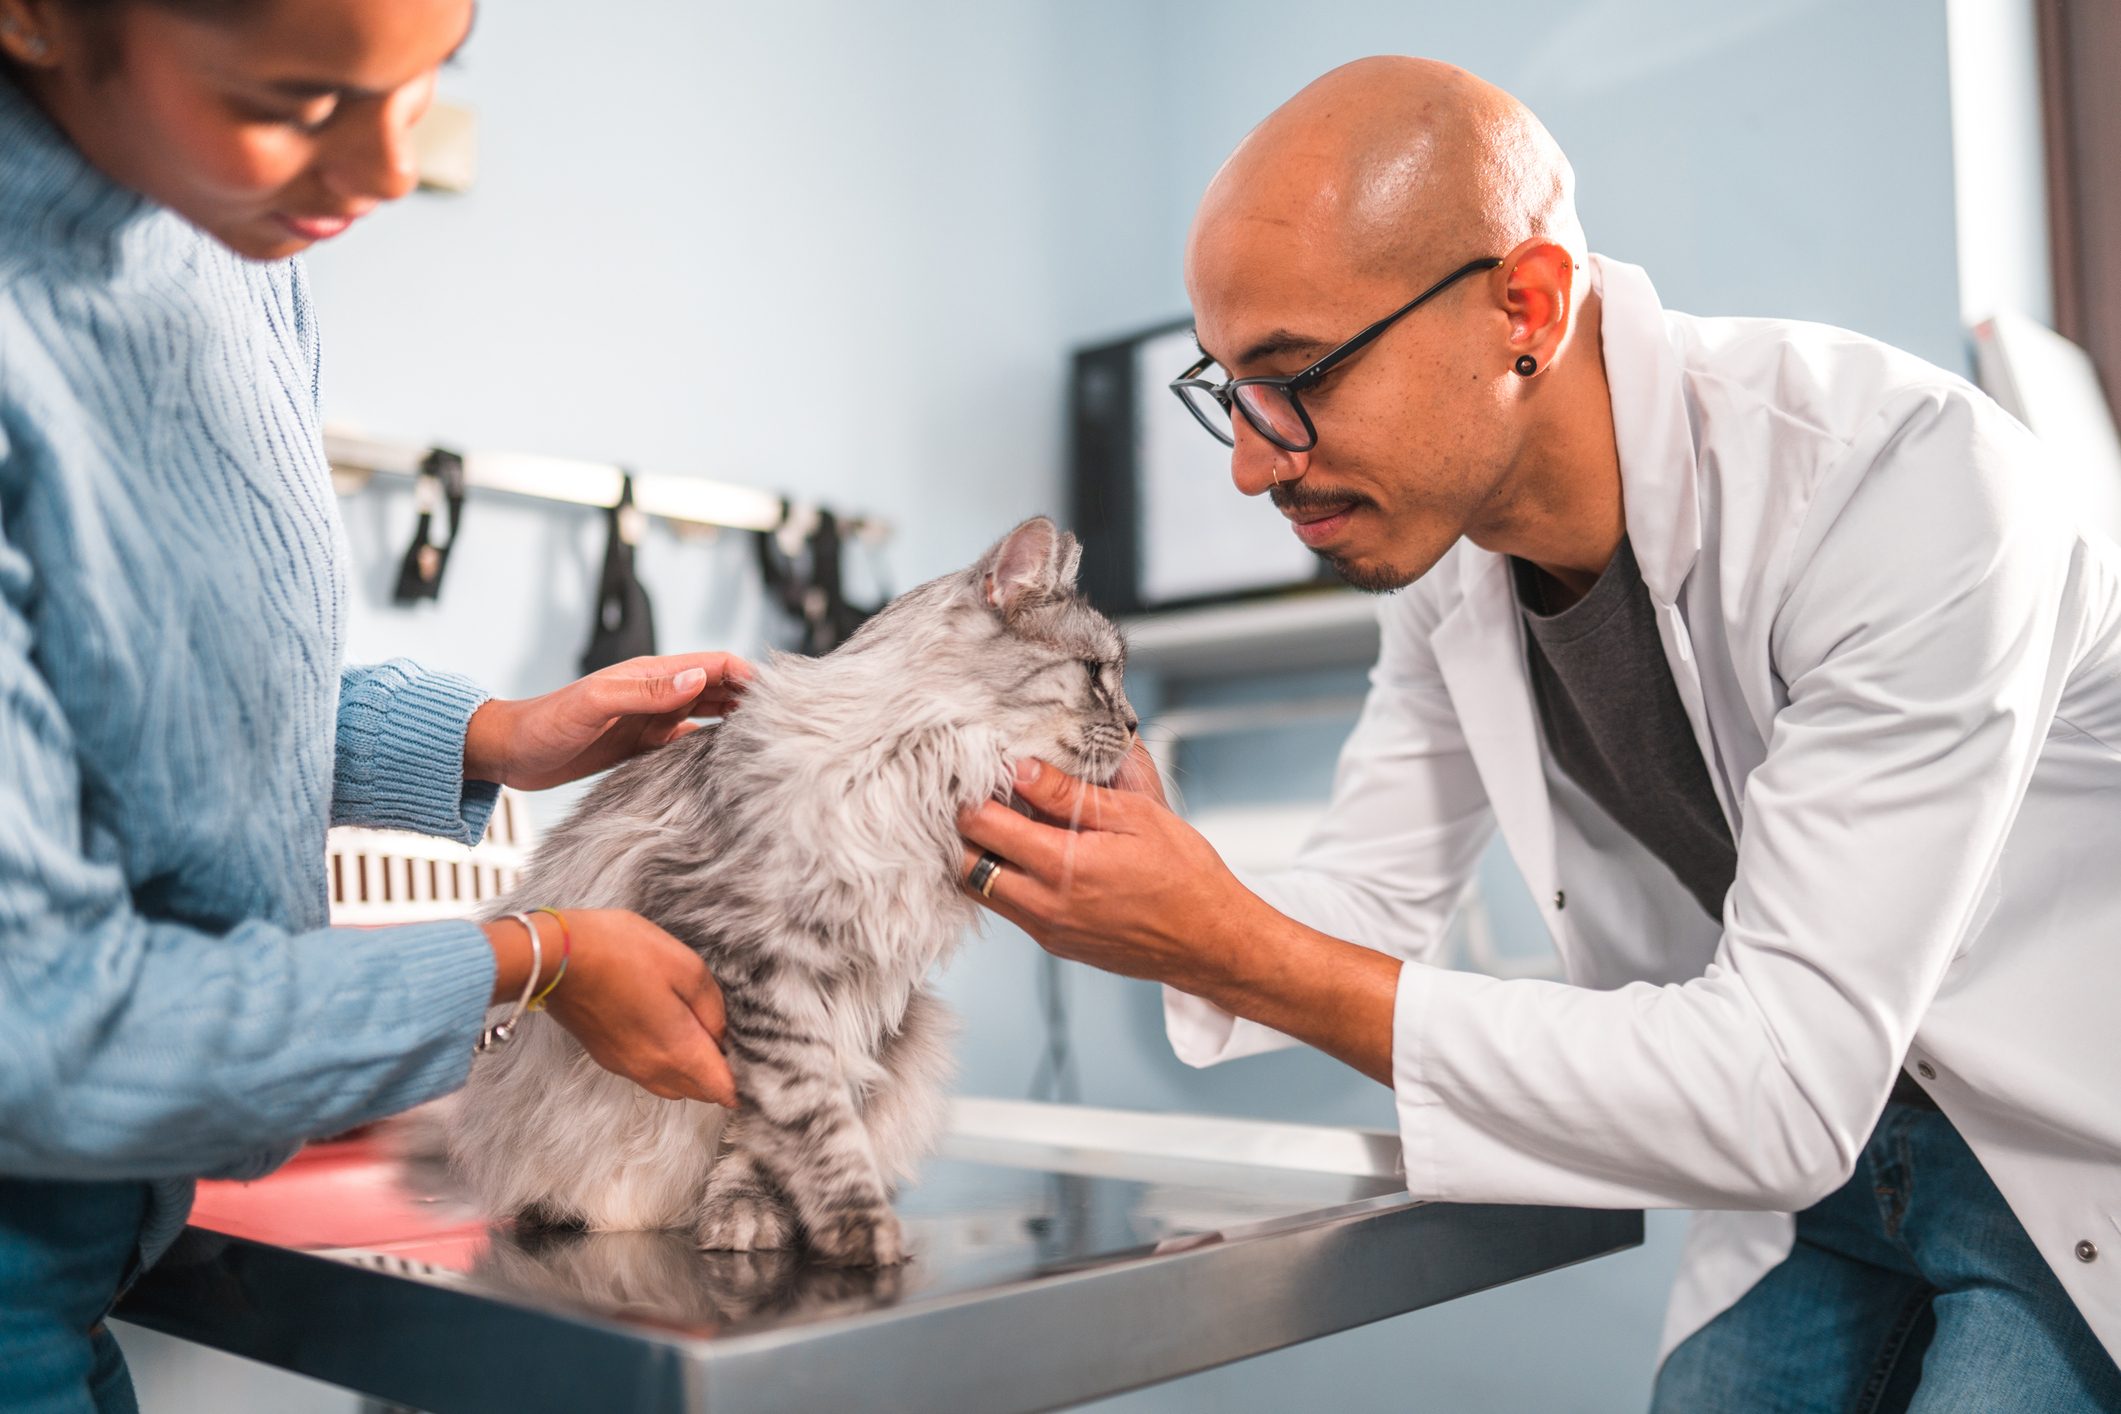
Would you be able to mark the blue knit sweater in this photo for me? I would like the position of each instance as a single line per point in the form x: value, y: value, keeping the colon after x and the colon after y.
x: 177, y: 730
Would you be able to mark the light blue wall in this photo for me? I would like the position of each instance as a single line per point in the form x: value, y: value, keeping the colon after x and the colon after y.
x: 842, y: 250
x: 1785, y: 157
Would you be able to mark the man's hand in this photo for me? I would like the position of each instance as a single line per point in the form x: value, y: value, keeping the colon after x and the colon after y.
x: 601, y: 720
x: 1112, y: 878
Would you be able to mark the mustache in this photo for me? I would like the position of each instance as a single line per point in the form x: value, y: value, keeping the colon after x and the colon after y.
x: 1299, y: 497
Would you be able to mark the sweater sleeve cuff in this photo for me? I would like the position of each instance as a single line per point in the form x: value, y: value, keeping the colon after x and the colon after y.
x: 447, y: 971
x: 400, y: 761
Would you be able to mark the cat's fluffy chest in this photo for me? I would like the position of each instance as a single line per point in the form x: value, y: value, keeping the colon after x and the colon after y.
x: 860, y: 1003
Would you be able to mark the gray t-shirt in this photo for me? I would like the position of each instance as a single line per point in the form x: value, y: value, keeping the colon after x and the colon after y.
x: 1615, y: 724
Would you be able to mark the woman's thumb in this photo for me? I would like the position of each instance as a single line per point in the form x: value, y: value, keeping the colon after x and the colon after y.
x: 655, y: 692
x: 710, y: 1074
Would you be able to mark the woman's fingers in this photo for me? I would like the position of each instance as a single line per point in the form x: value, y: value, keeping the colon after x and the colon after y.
x: 684, y: 683
x: 700, y: 1056
x: 706, y: 1003
x: 706, y: 1074
x: 644, y: 1006
x: 683, y: 1061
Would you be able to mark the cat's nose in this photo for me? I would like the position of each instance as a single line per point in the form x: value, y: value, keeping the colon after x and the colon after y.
x: 1133, y: 724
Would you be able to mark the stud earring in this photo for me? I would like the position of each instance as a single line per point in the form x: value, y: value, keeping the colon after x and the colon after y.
x: 1526, y: 365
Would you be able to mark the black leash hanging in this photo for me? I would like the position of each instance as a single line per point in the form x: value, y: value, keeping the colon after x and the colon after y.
x: 813, y: 593
x: 420, y: 572
x: 625, y: 622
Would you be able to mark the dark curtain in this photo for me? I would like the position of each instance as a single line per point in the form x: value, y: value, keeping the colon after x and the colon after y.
x: 2080, y: 61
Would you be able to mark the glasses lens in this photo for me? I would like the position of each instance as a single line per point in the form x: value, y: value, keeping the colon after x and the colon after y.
x: 1273, y: 411
x: 1204, y: 406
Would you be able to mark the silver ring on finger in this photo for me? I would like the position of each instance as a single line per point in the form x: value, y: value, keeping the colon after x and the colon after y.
x: 984, y: 873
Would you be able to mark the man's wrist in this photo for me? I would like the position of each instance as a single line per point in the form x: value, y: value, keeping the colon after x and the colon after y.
x: 1337, y: 996
x: 1231, y: 964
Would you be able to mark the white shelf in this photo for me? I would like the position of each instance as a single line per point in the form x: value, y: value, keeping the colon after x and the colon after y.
x: 1330, y: 629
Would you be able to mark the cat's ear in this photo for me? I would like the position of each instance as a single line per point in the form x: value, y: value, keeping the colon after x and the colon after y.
x: 1068, y: 561
x: 1035, y: 561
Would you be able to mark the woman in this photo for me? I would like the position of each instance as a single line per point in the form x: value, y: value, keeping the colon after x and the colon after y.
x: 176, y: 728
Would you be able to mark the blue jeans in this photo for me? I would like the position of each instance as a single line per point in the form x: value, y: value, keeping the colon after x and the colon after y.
x: 1912, y: 1288
x: 65, y: 1248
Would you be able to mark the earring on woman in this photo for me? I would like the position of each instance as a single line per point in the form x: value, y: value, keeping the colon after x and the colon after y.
x: 34, y: 46
x: 1526, y: 365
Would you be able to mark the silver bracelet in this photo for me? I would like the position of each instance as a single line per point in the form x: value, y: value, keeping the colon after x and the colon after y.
x: 502, y: 1032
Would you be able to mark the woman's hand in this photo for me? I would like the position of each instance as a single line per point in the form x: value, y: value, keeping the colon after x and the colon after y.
x: 640, y: 1002
x: 601, y: 720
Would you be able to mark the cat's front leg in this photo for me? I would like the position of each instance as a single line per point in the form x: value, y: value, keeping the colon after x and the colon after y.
x: 908, y: 1105
x: 801, y: 1127
x: 743, y: 1209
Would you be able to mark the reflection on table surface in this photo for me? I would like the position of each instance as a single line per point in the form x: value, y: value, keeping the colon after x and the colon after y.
x: 982, y: 1216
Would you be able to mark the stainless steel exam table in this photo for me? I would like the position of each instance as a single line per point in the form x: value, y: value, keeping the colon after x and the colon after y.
x: 1060, y: 1254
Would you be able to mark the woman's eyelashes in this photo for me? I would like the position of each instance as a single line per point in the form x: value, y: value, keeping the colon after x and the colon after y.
x: 311, y: 120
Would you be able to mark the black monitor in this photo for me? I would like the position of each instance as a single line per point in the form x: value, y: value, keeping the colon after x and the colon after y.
x: 1161, y: 525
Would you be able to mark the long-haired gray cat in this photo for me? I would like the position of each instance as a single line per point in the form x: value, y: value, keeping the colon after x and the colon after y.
x: 808, y: 848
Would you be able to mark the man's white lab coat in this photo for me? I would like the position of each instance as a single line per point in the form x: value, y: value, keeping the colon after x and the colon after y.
x: 1902, y: 659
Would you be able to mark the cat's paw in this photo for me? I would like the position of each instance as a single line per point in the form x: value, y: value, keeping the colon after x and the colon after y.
x: 859, y: 1237
x: 745, y: 1221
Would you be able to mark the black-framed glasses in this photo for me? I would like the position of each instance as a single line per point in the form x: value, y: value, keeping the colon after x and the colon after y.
x: 1271, y: 405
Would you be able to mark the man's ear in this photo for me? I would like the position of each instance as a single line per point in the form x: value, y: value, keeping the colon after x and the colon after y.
x: 1034, y: 562
x: 1539, y: 297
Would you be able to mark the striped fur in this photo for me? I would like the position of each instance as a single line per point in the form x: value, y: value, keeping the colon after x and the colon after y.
x: 808, y: 849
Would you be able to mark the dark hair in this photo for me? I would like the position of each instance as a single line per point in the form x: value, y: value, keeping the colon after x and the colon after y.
x: 199, y: 9
x: 102, y: 46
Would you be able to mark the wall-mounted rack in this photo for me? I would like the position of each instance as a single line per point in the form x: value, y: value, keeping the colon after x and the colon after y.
x: 1333, y: 628
x: 682, y: 500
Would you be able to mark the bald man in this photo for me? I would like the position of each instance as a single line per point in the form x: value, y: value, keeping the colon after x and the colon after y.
x: 1795, y: 690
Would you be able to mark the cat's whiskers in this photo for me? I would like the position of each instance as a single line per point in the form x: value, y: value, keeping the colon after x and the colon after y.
x: 1075, y: 825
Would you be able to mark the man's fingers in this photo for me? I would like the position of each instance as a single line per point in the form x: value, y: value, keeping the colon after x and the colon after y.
x: 1061, y: 796
x: 1013, y: 894
x: 1034, y: 847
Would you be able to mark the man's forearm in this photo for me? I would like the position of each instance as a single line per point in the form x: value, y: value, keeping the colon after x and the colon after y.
x: 1334, y: 995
